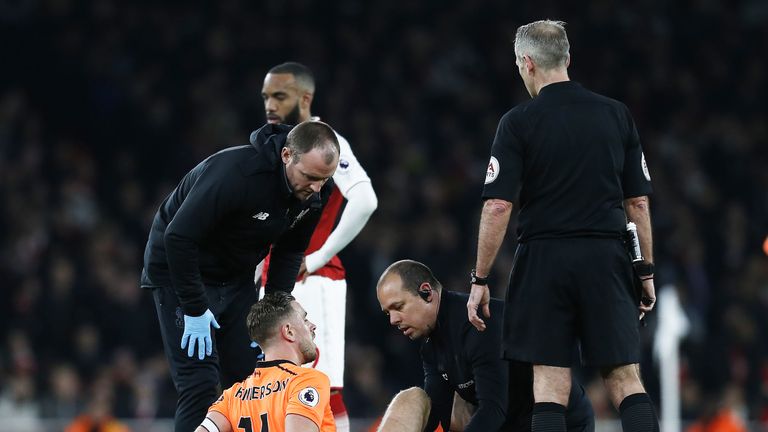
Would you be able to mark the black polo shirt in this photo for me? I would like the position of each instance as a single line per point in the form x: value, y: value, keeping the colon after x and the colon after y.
x: 222, y: 219
x: 458, y: 358
x: 574, y: 156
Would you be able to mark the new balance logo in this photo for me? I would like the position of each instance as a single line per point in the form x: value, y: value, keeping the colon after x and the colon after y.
x: 261, y: 216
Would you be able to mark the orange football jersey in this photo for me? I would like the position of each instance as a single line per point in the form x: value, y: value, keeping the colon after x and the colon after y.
x: 274, y: 390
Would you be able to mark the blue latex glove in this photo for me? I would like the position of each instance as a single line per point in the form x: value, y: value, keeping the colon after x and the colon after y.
x: 256, y: 346
x: 197, y: 330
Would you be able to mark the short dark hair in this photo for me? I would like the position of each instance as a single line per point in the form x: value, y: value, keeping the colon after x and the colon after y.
x: 412, y: 275
x: 301, y: 73
x: 310, y: 135
x: 267, y: 314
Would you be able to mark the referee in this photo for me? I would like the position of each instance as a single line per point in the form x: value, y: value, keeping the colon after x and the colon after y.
x: 575, y: 157
x: 492, y: 394
x: 206, y: 240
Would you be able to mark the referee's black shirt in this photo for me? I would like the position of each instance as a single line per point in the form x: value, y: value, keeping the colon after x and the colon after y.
x: 577, y: 155
x: 222, y: 218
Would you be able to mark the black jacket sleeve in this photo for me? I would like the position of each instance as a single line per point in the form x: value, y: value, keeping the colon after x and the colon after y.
x: 288, y: 251
x: 441, y: 396
x: 215, y: 192
x: 491, y: 375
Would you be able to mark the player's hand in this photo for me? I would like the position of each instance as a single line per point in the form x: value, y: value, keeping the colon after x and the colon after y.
x: 480, y: 296
x: 303, y: 270
x: 648, y: 298
x: 197, y: 331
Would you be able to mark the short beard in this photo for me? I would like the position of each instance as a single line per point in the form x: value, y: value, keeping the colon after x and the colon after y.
x: 292, y: 118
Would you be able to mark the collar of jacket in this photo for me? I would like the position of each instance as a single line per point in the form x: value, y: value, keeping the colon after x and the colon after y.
x: 270, y: 363
x: 269, y: 141
x: 444, y: 311
x: 441, y: 322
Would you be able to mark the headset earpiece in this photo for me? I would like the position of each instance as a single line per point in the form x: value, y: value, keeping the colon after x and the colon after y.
x: 424, y: 295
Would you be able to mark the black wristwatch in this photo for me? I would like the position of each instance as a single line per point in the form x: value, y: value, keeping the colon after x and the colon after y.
x: 644, y: 270
x: 474, y: 279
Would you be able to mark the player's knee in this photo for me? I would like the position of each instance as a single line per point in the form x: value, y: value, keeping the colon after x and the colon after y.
x: 408, y: 411
x: 414, y: 396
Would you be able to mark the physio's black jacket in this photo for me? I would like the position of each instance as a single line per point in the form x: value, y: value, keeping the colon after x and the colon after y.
x: 459, y: 358
x: 222, y: 218
x: 575, y: 156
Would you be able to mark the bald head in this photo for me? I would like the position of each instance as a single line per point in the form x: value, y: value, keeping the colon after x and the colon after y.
x: 312, y: 135
x: 409, y: 294
x: 411, y: 275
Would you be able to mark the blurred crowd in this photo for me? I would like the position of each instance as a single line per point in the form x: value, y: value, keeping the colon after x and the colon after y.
x: 105, y: 105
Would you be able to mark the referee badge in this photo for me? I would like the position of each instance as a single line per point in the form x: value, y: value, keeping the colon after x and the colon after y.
x: 493, y: 170
x: 309, y: 397
x: 644, y: 165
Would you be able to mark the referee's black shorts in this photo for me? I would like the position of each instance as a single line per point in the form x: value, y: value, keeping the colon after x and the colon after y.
x: 566, y: 290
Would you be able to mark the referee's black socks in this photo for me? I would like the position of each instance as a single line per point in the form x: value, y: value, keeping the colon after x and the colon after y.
x: 548, y: 417
x: 637, y: 414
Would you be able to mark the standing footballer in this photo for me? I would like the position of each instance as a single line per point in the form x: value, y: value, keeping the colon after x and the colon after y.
x: 288, y: 92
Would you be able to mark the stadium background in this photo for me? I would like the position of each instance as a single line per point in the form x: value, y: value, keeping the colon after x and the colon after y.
x: 104, y: 105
